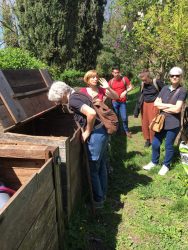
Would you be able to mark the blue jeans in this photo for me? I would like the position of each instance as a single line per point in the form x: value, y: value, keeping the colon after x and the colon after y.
x: 121, y: 108
x: 169, y: 149
x: 97, y: 155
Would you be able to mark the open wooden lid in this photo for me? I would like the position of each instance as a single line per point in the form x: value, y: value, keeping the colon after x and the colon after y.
x: 23, y: 95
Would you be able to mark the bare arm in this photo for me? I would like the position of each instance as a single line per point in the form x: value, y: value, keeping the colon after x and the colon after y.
x: 109, y: 91
x: 123, y: 94
x: 174, y: 108
x: 168, y: 107
x: 90, y: 116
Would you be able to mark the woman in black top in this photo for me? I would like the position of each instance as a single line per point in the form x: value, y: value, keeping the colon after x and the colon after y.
x: 150, y: 89
x: 170, y: 101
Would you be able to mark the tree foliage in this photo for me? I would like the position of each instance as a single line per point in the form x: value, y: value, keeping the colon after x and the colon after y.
x: 65, y: 33
x: 42, y: 28
x: 150, y: 34
x: 8, y: 24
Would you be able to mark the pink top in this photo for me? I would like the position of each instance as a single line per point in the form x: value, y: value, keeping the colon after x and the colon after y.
x: 101, y: 92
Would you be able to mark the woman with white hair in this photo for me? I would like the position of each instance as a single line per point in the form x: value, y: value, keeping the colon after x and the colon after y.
x: 169, y: 101
x: 93, y: 133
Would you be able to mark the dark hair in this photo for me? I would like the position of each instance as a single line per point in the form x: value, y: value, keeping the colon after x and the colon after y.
x: 115, y: 67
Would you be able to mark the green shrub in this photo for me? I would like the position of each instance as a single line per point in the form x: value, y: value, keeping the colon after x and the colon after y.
x: 73, y: 78
x: 16, y: 58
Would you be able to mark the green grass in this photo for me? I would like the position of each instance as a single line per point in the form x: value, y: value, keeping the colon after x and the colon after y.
x: 143, y: 210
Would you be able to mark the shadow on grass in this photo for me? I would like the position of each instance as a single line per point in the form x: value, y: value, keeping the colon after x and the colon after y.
x: 121, y: 181
x: 136, y: 129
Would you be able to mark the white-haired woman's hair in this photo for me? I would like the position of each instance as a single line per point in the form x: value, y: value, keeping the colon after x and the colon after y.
x: 57, y: 90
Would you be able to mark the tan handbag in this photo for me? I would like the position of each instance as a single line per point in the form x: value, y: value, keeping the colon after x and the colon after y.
x: 157, y: 123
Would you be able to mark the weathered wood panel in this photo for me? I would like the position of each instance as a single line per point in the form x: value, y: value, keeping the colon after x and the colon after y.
x: 35, y: 104
x: 46, y: 77
x: 16, y: 219
x: 61, y: 142
x: 59, y: 197
x: 74, y: 182
x: 71, y: 167
x: 43, y: 228
x: 24, y: 80
x: 5, y: 117
x: 16, y: 172
x: 29, y: 152
x: 13, y: 106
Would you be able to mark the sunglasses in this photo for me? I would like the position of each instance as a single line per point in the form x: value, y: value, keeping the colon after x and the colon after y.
x: 177, y: 76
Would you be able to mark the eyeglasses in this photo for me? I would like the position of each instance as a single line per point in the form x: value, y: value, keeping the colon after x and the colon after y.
x: 177, y: 76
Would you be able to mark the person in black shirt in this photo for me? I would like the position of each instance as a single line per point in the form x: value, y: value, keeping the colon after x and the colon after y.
x: 169, y: 101
x: 94, y: 134
x: 149, y: 90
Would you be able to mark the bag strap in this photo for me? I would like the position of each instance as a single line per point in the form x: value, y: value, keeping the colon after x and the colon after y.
x: 124, y: 81
x: 155, y: 84
x: 174, y: 95
x: 141, y: 87
x: 111, y: 82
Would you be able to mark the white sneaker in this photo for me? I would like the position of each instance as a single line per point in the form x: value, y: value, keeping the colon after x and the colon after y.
x: 163, y: 170
x: 149, y: 166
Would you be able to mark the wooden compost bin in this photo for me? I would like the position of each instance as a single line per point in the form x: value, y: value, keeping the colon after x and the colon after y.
x: 26, y: 115
x: 33, y: 217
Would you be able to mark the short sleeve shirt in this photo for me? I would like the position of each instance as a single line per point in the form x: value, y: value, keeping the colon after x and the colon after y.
x: 76, y: 101
x: 172, y: 120
x: 150, y: 92
x: 119, y: 86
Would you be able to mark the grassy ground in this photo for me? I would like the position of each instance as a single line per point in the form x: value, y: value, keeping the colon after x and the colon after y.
x: 143, y: 210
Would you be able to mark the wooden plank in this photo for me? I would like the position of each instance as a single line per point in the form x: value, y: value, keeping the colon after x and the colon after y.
x: 15, y: 177
x: 13, y: 106
x: 23, y: 80
x: 5, y: 117
x: 46, y: 77
x: 23, y: 208
x: 59, y: 197
x: 74, y: 176
x: 43, y: 228
x: 52, y: 244
x: 36, y: 140
x: 30, y: 93
x: 29, y: 152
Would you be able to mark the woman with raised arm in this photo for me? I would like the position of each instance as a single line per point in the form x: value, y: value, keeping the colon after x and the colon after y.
x: 94, y: 90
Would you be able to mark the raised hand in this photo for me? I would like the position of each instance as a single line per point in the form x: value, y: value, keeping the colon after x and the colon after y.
x: 103, y: 83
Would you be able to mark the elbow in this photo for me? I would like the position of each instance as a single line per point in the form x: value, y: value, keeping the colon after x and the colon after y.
x: 93, y: 114
x: 155, y: 104
x: 177, y: 111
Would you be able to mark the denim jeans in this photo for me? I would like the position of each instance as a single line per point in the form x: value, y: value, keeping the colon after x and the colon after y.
x: 121, y: 108
x: 97, y: 154
x: 169, y: 149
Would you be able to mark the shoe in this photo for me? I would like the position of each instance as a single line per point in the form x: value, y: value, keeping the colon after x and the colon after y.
x: 128, y: 134
x: 163, y: 170
x: 149, y: 166
x: 147, y: 144
x: 98, y: 204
